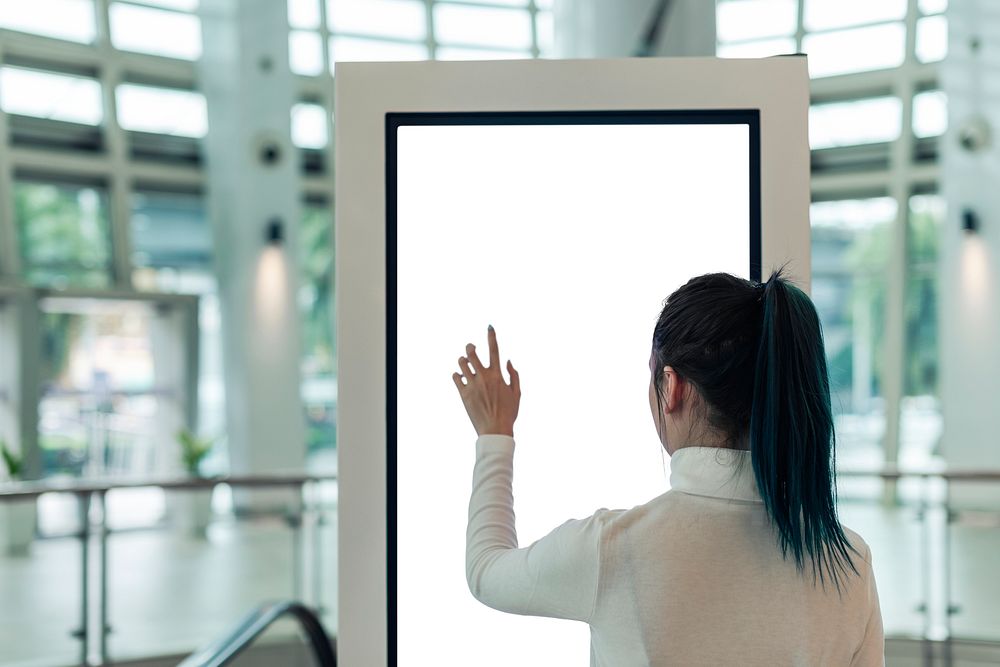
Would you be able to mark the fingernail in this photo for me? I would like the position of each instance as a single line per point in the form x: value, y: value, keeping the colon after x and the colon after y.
x: 491, y: 327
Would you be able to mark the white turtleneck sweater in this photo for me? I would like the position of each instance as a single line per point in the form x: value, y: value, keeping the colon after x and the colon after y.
x: 693, y: 577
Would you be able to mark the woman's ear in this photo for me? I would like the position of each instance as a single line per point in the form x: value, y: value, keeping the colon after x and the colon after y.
x: 673, y: 389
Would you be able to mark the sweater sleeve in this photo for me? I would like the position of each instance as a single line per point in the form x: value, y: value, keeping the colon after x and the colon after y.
x: 557, y: 576
x: 871, y: 653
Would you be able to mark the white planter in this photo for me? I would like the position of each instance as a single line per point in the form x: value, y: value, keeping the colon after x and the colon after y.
x: 17, y: 526
x: 191, y: 510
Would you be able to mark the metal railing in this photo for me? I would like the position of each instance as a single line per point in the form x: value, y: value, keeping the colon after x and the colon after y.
x: 91, y: 495
x: 241, y: 637
x: 937, y: 514
x: 934, y: 509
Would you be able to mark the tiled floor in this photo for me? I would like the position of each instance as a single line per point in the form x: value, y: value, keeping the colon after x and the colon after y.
x: 167, y: 592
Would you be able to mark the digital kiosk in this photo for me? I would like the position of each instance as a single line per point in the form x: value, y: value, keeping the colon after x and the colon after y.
x: 561, y: 202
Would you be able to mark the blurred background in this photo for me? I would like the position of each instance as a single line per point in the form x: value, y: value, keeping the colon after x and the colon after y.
x: 137, y: 246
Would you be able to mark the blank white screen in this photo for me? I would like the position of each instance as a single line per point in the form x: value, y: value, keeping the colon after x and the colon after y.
x: 567, y: 238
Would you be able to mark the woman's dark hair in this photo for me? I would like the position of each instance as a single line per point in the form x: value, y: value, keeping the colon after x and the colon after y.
x: 754, y: 351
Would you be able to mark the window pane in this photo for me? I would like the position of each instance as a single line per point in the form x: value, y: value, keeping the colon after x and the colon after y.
x: 106, y: 408
x: 857, y: 216
x: 41, y: 94
x: 545, y: 32
x: 305, y: 52
x: 930, y: 113
x: 512, y: 3
x: 402, y: 19
x: 183, y: 5
x: 316, y: 234
x: 309, y: 128
x: 304, y: 14
x: 738, y: 20
x: 933, y: 6
x: 860, y: 50
x: 850, y: 247
x: 170, y: 230
x: 480, y: 26
x: 172, y: 252
x: 64, y: 19
x: 858, y: 122
x: 156, y: 31
x: 316, y: 302
x: 932, y: 39
x: 162, y: 110
x: 828, y: 14
x: 926, y: 217
x: 354, y: 49
x: 64, y: 232
x: 921, y: 412
x: 761, y: 49
x: 453, y: 53
x: 98, y: 411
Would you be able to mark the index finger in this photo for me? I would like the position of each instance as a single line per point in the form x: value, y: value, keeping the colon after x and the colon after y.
x: 491, y: 336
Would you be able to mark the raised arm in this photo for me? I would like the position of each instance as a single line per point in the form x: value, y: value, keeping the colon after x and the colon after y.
x: 556, y: 576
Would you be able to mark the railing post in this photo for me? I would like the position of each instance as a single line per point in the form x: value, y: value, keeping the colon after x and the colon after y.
x: 294, y: 520
x: 923, y: 514
x: 950, y: 608
x: 318, y: 548
x: 82, y: 633
x: 102, y: 581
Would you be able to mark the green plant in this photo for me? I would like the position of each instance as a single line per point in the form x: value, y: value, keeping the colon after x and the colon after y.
x: 193, y: 451
x: 14, y: 462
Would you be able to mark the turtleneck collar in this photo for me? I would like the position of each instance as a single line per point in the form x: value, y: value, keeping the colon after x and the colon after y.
x: 715, y: 472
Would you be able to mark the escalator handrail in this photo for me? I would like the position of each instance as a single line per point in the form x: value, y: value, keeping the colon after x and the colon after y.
x: 224, y: 650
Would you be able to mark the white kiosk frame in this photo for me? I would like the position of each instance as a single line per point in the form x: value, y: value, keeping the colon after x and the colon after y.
x: 365, y: 93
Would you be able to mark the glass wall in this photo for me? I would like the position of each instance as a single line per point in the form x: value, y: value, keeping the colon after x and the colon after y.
x: 72, y: 20
x: 65, y: 233
x: 840, y: 36
x: 172, y: 251
x: 921, y: 423
x: 326, y: 31
x: 323, y: 32
x: 8, y: 375
x: 77, y: 228
x: 865, y: 166
x: 850, y: 251
x: 319, y: 344
x: 99, y: 401
x: 68, y: 236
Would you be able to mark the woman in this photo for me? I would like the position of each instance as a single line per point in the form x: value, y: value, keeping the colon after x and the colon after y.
x: 743, y: 561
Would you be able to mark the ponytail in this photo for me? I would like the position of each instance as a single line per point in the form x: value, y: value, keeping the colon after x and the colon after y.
x: 791, y: 432
x: 755, y: 354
